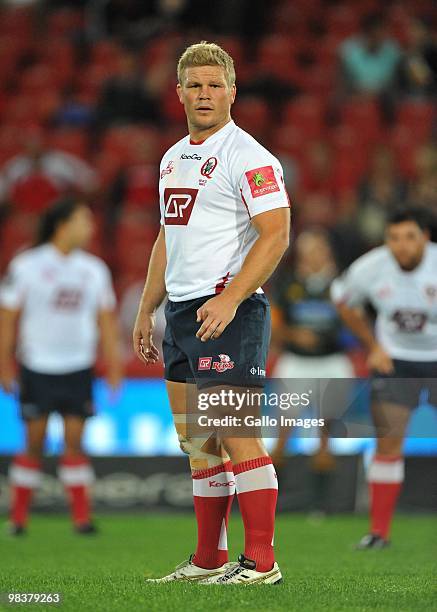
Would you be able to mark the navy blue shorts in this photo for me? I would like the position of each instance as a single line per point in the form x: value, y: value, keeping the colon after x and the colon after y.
x: 406, y: 384
x: 238, y: 357
x: 67, y: 394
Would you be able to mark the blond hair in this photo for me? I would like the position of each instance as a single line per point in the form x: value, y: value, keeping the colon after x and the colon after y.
x: 207, y: 54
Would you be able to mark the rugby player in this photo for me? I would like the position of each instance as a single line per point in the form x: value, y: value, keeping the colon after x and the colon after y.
x: 399, y: 281
x: 55, y: 301
x: 224, y: 228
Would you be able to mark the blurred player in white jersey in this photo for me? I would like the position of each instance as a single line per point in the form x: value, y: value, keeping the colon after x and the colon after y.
x: 224, y: 228
x: 399, y: 280
x: 56, y: 301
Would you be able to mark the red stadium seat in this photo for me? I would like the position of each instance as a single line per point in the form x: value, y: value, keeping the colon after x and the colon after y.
x: 308, y: 113
x: 363, y: 116
x: 91, y: 80
x: 72, y: 141
x: 342, y: 20
x: 17, y: 22
x: 276, y: 54
x: 21, y: 111
x: 65, y: 22
x: 405, y: 141
x: 252, y: 114
x: 133, y: 247
x: 418, y: 117
x: 105, y: 53
x: 10, y: 144
x: 289, y: 138
x: 351, y: 155
x: 37, y: 79
x: 17, y: 233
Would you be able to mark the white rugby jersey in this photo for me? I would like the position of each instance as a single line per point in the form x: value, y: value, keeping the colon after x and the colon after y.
x: 405, y: 302
x: 208, y: 194
x: 60, y: 297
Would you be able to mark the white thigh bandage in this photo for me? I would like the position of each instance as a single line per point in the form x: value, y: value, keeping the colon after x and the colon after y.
x: 193, y: 447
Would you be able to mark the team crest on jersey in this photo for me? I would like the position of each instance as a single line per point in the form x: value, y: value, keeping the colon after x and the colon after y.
x: 262, y: 181
x: 208, y: 167
x: 168, y: 169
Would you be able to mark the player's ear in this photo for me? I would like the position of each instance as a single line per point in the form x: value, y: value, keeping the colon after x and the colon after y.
x: 233, y: 93
x: 179, y: 92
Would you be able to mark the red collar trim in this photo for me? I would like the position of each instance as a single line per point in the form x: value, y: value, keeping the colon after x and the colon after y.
x: 199, y: 142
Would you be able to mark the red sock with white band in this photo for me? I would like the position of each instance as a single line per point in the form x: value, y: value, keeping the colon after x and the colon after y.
x: 257, y: 491
x: 385, y: 477
x: 76, y: 474
x: 213, y: 491
x: 25, y: 477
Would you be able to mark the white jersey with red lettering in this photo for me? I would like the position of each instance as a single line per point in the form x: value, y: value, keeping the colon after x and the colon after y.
x: 209, y: 192
x: 405, y: 302
x: 60, y: 297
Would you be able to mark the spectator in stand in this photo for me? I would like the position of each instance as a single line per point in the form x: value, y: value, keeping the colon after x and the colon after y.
x: 370, y: 62
x: 35, y: 178
x: 125, y: 97
x: 381, y: 190
x: 419, y: 68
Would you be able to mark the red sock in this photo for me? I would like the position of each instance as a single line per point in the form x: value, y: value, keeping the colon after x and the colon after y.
x: 385, y: 476
x: 257, y: 491
x: 76, y: 473
x: 213, y: 491
x: 24, y: 476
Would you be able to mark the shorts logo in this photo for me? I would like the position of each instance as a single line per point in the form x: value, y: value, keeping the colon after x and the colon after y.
x: 224, y: 364
x: 262, y: 181
x: 168, y: 169
x: 208, y: 167
x: 257, y: 370
x: 204, y: 363
x: 214, y: 483
x: 178, y: 205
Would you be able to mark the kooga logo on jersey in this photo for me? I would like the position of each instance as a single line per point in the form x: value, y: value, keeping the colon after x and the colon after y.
x: 194, y: 156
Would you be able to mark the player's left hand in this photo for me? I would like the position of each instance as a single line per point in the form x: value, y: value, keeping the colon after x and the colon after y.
x: 215, y: 314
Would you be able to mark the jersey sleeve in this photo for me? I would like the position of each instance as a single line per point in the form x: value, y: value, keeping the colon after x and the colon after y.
x: 351, y: 288
x: 106, y: 299
x: 13, y: 286
x: 260, y: 181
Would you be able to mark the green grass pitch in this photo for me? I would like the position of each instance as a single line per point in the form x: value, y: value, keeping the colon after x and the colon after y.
x: 321, y: 569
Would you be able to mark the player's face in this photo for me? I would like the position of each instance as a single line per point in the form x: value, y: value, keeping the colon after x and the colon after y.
x: 80, y: 227
x: 206, y: 96
x: 407, y: 242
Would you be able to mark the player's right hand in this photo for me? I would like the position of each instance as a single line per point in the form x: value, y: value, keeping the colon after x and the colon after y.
x: 7, y: 377
x: 144, y: 348
x: 379, y: 361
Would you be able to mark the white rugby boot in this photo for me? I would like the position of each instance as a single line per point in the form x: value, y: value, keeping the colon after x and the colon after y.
x: 190, y: 572
x: 244, y: 572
